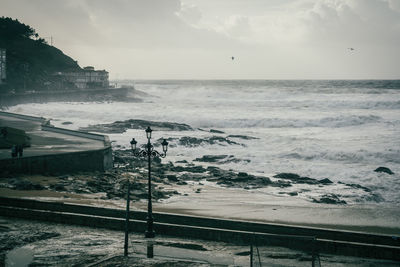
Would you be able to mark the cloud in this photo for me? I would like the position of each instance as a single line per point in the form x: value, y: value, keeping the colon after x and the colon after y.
x: 317, y: 21
x: 191, y: 14
x: 395, y: 5
x: 119, y: 23
x: 367, y: 21
x: 196, y: 38
x: 53, y: 17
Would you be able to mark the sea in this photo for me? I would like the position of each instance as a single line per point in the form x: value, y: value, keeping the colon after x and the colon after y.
x: 337, y: 129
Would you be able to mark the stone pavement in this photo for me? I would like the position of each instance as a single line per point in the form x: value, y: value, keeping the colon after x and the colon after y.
x: 50, y: 244
x: 46, y: 142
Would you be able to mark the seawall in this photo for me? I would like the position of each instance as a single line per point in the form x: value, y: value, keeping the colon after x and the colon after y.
x: 65, y: 95
x: 99, y: 158
x: 231, y: 231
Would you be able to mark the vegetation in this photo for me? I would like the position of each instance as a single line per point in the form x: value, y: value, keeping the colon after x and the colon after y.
x: 31, y: 62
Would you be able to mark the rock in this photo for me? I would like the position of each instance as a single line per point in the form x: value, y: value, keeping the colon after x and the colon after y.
x: 281, y: 184
x: 384, y: 169
x: 242, y: 174
x: 216, y: 131
x: 58, y: 187
x: 245, y: 137
x: 325, y: 181
x: 264, y: 180
x: 243, y: 253
x: 329, y: 199
x: 220, y: 159
x: 190, y: 141
x: 122, y: 126
x: 374, y: 197
x: 211, y: 158
x: 172, y: 178
x: 193, y: 141
x: 359, y: 187
x: 243, y: 177
x: 290, y: 176
x: 296, y: 178
x: 219, y: 139
x: 193, y: 169
x: 25, y: 185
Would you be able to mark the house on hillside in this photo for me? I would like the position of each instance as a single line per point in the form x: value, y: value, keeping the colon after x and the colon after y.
x: 2, y: 65
x: 87, y: 78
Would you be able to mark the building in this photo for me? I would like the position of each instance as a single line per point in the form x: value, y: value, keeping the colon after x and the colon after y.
x: 88, y: 78
x: 2, y: 66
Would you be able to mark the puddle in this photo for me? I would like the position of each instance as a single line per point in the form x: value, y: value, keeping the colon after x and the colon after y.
x: 19, y: 257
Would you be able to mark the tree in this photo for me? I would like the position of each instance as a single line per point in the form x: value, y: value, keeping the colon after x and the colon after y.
x: 13, y: 29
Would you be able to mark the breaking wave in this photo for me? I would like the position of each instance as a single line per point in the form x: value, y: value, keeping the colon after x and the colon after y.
x: 329, y: 122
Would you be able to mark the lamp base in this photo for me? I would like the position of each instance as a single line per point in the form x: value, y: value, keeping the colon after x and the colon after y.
x: 149, y: 234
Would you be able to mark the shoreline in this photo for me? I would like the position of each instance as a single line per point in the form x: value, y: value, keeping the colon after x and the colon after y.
x: 363, y: 218
x: 286, y: 214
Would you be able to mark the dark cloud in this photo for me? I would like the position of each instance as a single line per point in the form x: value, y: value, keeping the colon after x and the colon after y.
x: 192, y: 38
x: 121, y: 23
x: 67, y: 21
x: 360, y: 22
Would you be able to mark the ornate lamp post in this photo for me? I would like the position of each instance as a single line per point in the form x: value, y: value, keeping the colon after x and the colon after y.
x: 149, y: 152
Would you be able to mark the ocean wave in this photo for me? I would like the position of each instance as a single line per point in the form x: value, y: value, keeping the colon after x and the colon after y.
x: 329, y: 122
x: 348, y: 157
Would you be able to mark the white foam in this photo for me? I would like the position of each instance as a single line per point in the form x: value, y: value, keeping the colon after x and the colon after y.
x: 313, y: 129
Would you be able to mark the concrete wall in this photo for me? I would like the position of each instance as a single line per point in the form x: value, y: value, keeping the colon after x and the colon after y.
x: 66, y: 95
x: 305, y: 243
x: 93, y: 160
x: 90, y: 160
x: 201, y: 221
x: 23, y: 117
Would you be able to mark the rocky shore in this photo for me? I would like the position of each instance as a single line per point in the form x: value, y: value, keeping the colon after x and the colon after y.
x: 169, y: 177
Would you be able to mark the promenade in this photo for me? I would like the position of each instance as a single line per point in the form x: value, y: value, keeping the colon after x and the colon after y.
x: 47, y: 141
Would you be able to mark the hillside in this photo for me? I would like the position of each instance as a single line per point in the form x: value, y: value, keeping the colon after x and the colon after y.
x: 31, y: 62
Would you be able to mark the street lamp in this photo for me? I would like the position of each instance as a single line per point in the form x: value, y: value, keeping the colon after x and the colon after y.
x: 149, y: 152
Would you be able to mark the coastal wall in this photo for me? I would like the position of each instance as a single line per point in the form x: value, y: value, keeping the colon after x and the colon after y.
x: 312, y: 240
x: 59, y: 163
x: 66, y: 95
x: 23, y: 117
x: 92, y: 160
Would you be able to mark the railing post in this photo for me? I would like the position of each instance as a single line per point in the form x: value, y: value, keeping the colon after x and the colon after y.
x: 127, y: 221
x: 251, y: 254
x: 313, y: 252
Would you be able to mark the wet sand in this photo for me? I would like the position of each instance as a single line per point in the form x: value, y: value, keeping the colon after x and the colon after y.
x: 240, y: 204
x: 257, y: 206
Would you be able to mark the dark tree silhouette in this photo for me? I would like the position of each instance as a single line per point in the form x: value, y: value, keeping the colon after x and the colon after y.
x: 31, y: 63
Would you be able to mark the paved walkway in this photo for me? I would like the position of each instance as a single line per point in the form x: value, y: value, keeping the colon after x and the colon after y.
x: 45, y: 142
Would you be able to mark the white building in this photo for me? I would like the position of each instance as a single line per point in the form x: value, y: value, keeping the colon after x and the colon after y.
x: 3, y: 75
x: 88, y: 78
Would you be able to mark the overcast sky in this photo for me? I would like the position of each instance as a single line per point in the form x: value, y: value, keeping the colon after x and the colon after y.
x: 195, y: 39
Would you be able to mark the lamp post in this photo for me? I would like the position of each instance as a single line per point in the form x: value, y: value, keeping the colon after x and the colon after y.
x: 149, y: 152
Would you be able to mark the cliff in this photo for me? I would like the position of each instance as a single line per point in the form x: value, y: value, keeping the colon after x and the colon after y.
x: 31, y: 62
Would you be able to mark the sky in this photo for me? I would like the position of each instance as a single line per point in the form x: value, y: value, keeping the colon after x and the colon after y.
x: 196, y: 39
